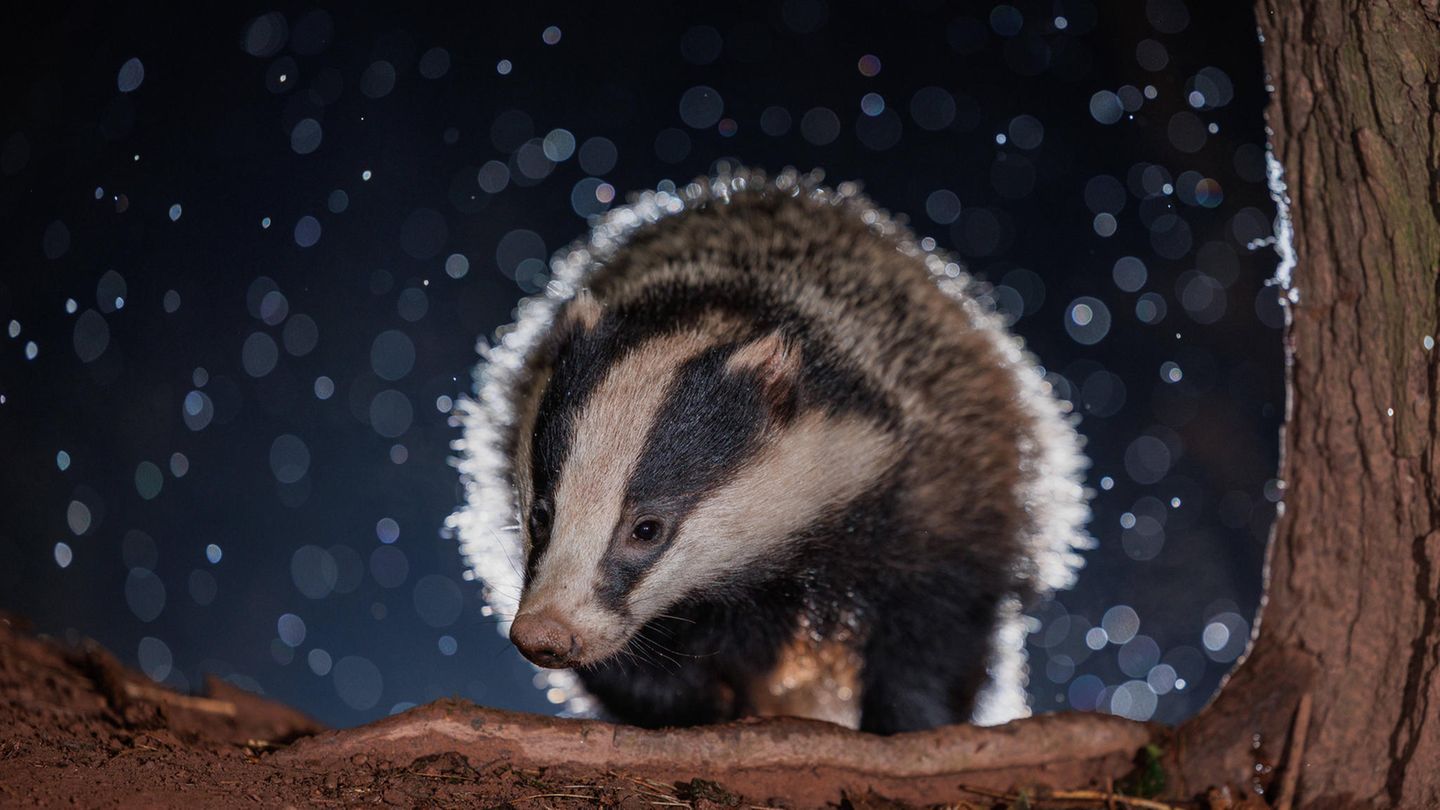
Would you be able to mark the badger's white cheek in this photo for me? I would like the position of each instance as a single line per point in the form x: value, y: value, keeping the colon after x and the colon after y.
x: 817, y: 464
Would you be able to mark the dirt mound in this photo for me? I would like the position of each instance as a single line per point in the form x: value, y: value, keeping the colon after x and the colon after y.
x: 77, y: 727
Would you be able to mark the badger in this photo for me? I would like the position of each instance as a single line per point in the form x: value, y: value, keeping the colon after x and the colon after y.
x: 757, y: 451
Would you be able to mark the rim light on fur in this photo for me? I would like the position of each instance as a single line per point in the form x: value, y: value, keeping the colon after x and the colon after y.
x: 486, y: 525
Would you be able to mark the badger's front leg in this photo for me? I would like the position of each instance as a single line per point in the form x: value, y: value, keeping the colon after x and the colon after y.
x: 661, y: 693
x: 926, y: 657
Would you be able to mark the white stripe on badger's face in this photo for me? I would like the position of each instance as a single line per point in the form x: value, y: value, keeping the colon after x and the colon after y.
x: 609, y: 435
x: 815, y: 463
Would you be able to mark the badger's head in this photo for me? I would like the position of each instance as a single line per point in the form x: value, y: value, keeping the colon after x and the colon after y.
x: 659, y: 465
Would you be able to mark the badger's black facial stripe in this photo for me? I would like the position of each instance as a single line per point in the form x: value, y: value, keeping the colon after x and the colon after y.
x: 710, y: 423
x: 581, y: 361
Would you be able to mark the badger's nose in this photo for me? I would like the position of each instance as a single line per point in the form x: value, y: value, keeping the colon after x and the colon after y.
x: 545, y: 640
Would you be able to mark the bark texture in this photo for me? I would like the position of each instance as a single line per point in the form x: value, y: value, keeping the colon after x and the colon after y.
x: 1351, y: 613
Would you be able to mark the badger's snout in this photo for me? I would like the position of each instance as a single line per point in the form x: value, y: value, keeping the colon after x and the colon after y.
x: 546, y: 640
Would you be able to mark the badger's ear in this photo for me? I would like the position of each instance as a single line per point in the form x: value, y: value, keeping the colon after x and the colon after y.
x: 575, y: 318
x: 580, y: 314
x: 775, y: 362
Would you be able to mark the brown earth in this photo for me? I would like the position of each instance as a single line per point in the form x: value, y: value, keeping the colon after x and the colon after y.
x: 77, y: 728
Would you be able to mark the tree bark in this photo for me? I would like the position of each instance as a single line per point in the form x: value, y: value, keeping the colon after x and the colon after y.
x: 1351, y: 615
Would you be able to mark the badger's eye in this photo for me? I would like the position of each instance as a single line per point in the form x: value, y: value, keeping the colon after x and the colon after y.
x: 646, y: 530
x: 539, y: 518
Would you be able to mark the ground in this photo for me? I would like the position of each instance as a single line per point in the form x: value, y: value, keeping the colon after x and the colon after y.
x: 78, y: 728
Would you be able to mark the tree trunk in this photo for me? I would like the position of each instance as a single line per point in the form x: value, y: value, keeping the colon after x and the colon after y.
x: 1351, y: 614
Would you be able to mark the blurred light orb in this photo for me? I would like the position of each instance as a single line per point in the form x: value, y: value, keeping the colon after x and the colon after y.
x: 392, y: 355
x: 1006, y: 20
x: 291, y: 629
x: 387, y: 530
x: 63, y: 554
x: 1087, y: 320
x: 438, y: 600
x: 701, y: 45
x: 357, y: 682
x: 131, y: 74
x: 1105, y: 107
x: 701, y: 107
x: 1134, y: 700
x: 274, y: 307
x: 1120, y: 624
x: 820, y: 126
x: 389, y: 566
x: 456, y: 265
x: 155, y: 658
x: 307, y: 231
x: 559, y: 145
x: 197, y: 410
x: 148, y: 480
x: 313, y: 571
x: 259, y: 354
x: 144, y: 594
x: 378, y: 79
x: 775, y: 121
x: 90, y: 336
x: 319, y: 662
x: 306, y: 136
x: 493, y: 177
x: 213, y: 553
x: 266, y: 35
x: 869, y: 65
x: 943, y: 206
x: 1147, y: 460
x: 77, y: 516
x: 301, y: 335
x: 435, y: 63
x: 289, y: 458
x: 412, y: 304
x: 1150, y: 308
x: 1129, y: 273
x: 1026, y: 132
x: 598, y: 155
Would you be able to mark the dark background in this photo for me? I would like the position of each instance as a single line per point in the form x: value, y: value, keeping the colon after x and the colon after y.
x: 176, y: 487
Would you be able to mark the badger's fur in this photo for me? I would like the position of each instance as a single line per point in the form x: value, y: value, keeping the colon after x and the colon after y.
x: 758, y: 451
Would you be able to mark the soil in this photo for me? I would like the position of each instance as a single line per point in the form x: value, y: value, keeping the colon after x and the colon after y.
x: 78, y: 728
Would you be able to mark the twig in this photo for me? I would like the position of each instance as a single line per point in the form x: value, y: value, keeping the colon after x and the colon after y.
x: 1095, y: 795
x: 1109, y: 793
x: 555, y: 796
x: 197, y: 704
x: 1075, y: 795
x: 1295, y: 757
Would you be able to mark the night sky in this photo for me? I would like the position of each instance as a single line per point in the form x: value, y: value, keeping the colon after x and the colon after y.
x: 247, y: 255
